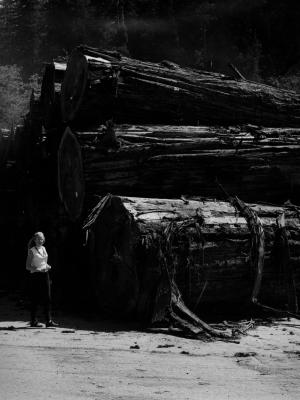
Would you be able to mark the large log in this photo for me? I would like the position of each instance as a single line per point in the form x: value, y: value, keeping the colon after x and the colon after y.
x: 50, y: 93
x: 99, y: 85
x: 168, y: 161
x: 205, y: 247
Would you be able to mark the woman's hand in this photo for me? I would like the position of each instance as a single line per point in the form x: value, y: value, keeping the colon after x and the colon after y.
x: 48, y: 268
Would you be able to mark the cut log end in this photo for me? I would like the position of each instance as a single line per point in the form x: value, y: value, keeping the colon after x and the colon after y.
x: 70, y: 175
x: 74, y: 85
x: 113, y: 270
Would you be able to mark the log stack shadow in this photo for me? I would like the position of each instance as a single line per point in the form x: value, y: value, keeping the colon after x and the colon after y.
x: 159, y: 138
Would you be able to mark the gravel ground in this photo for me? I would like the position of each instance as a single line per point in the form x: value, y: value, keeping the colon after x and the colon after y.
x: 88, y: 359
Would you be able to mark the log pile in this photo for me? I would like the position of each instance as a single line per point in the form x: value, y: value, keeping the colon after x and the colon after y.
x: 166, y: 136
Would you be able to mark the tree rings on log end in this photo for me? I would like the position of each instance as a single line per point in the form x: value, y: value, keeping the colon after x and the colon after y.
x: 112, y: 260
x: 70, y: 175
x: 74, y: 85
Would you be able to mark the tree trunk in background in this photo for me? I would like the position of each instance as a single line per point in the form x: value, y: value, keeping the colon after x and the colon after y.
x: 205, y: 246
x: 50, y: 93
x: 99, y: 85
x: 6, y: 146
x: 168, y: 161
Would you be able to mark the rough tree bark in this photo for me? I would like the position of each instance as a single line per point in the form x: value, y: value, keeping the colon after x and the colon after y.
x: 168, y: 161
x: 99, y: 85
x: 204, y: 246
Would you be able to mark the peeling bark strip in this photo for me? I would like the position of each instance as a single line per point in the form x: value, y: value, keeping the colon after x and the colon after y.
x: 99, y: 85
x: 283, y: 259
x: 256, y: 164
x: 257, y: 242
x: 133, y: 241
x: 169, y: 305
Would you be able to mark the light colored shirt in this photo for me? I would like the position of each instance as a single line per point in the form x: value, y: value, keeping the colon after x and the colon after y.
x: 39, y: 261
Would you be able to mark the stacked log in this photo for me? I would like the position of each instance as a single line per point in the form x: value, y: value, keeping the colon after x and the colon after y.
x: 171, y: 161
x: 204, y: 245
x: 100, y: 85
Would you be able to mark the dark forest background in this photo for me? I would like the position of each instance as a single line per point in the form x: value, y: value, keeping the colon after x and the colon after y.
x: 260, y: 37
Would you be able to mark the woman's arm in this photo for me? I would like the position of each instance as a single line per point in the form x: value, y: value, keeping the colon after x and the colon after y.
x: 48, y: 266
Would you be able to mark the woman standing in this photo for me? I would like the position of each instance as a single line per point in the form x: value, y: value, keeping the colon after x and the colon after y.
x: 40, y: 292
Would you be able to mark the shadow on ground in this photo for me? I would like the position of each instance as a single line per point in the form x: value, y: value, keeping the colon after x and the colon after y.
x: 14, y: 309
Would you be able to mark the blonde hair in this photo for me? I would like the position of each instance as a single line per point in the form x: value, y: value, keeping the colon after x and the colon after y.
x: 35, y: 235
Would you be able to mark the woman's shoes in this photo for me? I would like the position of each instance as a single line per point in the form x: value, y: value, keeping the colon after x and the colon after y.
x: 51, y: 324
x: 35, y: 324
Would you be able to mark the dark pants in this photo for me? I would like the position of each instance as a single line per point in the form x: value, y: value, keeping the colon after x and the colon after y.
x: 40, y: 294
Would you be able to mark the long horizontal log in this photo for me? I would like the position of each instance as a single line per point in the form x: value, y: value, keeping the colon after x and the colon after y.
x: 167, y: 161
x: 201, y: 244
x: 99, y: 85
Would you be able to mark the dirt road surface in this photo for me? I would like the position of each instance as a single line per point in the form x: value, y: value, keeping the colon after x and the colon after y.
x: 103, y: 361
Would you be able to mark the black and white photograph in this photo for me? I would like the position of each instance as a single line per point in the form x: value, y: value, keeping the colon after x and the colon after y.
x: 149, y: 199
